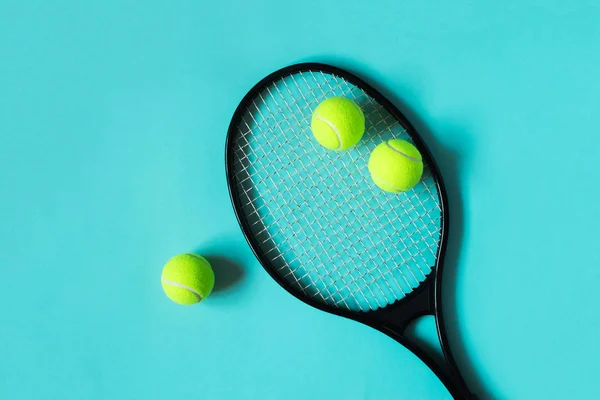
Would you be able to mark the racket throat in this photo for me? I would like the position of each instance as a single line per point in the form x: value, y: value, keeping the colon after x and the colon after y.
x: 396, y: 318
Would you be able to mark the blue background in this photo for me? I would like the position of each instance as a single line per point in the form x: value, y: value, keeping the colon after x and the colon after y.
x: 113, y: 117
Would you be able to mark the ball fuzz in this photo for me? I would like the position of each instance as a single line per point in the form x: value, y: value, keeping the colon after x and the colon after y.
x: 338, y: 123
x: 396, y: 166
x: 187, y: 279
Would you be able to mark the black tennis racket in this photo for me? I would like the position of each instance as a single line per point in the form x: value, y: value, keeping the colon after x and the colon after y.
x: 319, y: 225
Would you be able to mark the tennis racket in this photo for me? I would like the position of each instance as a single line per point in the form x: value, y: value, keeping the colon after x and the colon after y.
x: 318, y: 224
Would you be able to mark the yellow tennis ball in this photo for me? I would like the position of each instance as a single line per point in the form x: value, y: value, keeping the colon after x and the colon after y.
x: 396, y: 166
x: 338, y: 123
x: 187, y: 279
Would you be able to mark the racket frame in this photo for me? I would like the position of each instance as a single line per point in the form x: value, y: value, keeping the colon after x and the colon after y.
x: 393, y: 319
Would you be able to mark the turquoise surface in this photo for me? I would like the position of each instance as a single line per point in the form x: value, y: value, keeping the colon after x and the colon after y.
x: 113, y: 117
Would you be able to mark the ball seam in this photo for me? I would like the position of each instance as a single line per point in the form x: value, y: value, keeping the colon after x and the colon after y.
x: 179, y: 285
x: 402, y: 153
x: 387, y: 183
x: 332, y: 127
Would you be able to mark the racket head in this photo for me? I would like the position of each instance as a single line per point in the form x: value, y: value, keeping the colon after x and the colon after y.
x: 284, y: 100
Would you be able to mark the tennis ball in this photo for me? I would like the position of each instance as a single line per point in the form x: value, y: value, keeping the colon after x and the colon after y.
x: 338, y: 123
x: 187, y: 279
x: 396, y: 166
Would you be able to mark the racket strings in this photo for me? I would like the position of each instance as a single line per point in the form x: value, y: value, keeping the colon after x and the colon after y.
x: 316, y: 215
x: 374, y: 244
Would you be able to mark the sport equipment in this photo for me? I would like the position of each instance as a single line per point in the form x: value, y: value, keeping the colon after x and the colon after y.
x: 315, y: 222
x: 187, y: 278
x: 396, y: 166
x: 338, y: 123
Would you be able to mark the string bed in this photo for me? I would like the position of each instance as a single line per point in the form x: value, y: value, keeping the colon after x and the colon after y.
x: 316, y: 214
